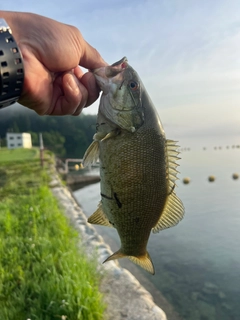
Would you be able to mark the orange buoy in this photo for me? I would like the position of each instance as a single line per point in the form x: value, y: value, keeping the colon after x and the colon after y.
x: 186, y: 180
x: 235, y: 176
x: 211, y: 178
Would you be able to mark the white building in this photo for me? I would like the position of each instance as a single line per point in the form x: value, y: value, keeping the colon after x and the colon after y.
x: 19, y: 140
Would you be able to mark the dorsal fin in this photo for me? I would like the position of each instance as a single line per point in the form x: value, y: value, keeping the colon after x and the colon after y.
x: 99, y: 217
x: 173, y: 210
x: 171, y: 157
x: 173, y: 213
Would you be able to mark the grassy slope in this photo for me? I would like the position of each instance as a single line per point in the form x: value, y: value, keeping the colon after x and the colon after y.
x: 42, y: 274
x: 18, y: 154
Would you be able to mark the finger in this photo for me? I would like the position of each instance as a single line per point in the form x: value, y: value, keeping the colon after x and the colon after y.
x: 89, y: 82
x: 78, y: 72
x: 91, y: 58
x: 70, y: 95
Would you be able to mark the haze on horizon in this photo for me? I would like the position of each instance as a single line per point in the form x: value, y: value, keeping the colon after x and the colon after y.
x: 187, y: 54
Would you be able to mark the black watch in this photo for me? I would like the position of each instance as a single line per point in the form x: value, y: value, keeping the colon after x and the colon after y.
x: 11, y: 67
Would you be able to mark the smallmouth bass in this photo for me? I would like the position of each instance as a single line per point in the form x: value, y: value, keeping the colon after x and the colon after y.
x: 137, y: 164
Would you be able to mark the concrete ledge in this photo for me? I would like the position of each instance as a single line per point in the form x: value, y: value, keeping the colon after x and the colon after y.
x: 124, y: 295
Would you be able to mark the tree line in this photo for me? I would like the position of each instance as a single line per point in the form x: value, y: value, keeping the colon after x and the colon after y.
x: 66, y: 136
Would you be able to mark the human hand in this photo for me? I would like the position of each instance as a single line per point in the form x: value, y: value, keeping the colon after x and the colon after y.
x: 54, y: 84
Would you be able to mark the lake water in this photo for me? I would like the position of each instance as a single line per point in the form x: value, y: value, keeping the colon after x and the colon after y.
x: 197, y: 263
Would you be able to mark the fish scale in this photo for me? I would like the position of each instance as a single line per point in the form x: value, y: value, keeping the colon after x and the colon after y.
x: 137, y: 164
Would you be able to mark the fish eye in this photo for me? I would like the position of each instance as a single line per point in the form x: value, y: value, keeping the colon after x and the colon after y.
x: 133, y: 85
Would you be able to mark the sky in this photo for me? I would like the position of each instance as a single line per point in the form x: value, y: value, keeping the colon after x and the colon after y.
x: 187, y: 53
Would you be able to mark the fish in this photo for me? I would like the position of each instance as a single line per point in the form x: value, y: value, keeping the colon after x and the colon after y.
x: 138, y: 165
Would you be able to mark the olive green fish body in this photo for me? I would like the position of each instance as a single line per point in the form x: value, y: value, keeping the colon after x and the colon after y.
x: 133, y: 186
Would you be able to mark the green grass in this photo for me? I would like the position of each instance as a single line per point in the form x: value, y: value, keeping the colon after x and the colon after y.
x: 43, y: 276
x: 18, y: 154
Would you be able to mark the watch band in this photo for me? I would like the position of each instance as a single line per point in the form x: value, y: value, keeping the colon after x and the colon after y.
x: 11, y: 67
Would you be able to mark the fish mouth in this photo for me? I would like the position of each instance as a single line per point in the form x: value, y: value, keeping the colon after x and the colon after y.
x: 104, y: 75
x: 117, y: 67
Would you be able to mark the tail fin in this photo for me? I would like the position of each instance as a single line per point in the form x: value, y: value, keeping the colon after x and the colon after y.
x: 143, y: 261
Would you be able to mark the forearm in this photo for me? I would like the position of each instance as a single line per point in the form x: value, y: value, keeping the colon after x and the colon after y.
x: 9, y: 17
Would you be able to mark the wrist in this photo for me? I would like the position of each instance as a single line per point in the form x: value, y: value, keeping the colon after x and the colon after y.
x: 11, y: 67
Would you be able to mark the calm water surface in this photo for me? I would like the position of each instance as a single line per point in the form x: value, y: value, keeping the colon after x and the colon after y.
x: 197, y: 263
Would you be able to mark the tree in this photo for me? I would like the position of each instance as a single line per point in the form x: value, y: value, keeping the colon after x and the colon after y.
x: 67, y: 136
x: 54, y: 141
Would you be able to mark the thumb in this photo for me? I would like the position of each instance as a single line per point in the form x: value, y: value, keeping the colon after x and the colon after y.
x: 91, y: 58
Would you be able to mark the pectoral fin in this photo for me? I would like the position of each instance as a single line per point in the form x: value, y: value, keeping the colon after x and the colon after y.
x: 92, y: 154
x: 99, y: 217
x: 143, y: 261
